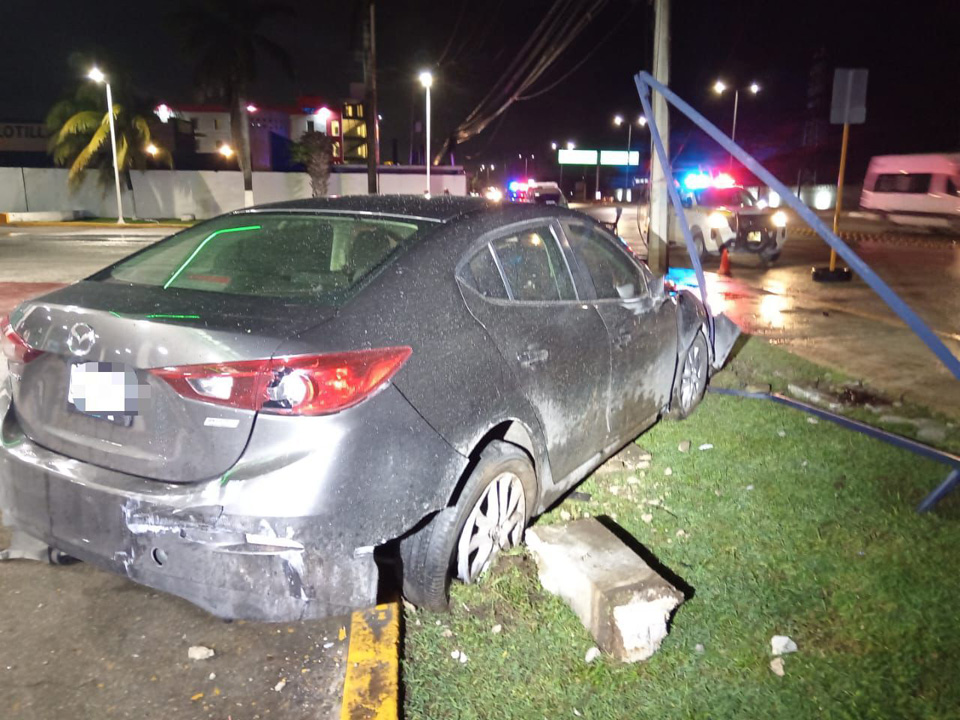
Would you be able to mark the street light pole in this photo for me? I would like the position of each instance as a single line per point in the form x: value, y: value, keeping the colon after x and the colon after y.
x: 718, y: 88
x: 97, y: 76
x: 426, y: 79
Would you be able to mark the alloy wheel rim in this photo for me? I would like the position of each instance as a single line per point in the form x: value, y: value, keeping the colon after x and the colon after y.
x: 495, y: 523
x: 690, y: 381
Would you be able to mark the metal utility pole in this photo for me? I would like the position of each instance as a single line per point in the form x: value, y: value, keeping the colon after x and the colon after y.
x: 426, y: 79
x: 98, y: 77
x: 626, y: 180
x: 838, y: 206
x: 659, y: 220
x: 372, y: 119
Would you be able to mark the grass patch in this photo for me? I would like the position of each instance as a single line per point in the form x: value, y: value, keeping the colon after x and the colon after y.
x: 812, y: 535
x: 759, y: 363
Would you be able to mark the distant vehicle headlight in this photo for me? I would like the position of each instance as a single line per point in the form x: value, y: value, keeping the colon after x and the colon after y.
x: 493, y: 195
x: 779, y: 219
x: 717, y: 221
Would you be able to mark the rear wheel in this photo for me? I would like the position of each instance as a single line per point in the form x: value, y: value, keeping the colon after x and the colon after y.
x: 699, y: 246
x: 691, y: 380
x: 462, y: 541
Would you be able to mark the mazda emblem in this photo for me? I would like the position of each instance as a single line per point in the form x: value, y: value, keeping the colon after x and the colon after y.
x: 80, y: 339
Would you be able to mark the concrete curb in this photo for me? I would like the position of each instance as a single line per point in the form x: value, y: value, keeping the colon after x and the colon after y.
x: 96, y: 225
x: 887, y: 238
x: 371, y: 688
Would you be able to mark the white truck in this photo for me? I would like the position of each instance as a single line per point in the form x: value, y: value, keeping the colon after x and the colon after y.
x: 912, y: 188
x: 722, y: 215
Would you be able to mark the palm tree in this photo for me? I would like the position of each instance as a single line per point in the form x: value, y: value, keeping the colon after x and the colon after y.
x: 315, y: 153
x: 227, y: 38
x: 79, y: 130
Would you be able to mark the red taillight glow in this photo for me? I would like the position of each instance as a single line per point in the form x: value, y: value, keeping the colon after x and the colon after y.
x: 14, y: 348
x: 296, y: 385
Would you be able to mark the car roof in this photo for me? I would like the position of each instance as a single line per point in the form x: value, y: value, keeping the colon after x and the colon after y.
x: 441, y: 208
x: 445, y: 209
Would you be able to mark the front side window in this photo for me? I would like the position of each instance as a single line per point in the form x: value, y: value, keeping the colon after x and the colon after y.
x: 533, y: 266
x: 614, y: 275
x: 310, y: 256
x: 914, y: 183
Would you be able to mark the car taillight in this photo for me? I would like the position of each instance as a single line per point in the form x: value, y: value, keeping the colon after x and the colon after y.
x: 296, y: 385
x: 14, y: 347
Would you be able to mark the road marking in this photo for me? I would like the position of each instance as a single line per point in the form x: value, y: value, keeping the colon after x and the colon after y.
x: 372, y: 684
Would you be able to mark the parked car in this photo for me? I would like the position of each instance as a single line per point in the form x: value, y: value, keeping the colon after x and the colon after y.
x: 722, y: 215
x: 919, y: 186
x: 253, y: 412
x: 547, y: 193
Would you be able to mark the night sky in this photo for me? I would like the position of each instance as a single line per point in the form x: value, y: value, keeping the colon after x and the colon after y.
x: 911, y: 50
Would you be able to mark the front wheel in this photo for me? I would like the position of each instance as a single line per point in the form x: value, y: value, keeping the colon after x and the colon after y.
x: 691, y: 381
x: 462, y: 541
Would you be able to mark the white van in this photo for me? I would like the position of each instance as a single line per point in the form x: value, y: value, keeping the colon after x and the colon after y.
x: 914, y: 187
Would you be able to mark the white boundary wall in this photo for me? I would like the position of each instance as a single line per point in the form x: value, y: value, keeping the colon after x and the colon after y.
x: 202, y: 193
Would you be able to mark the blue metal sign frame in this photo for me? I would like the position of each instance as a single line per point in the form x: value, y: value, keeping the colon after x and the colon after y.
x: 645, y: 82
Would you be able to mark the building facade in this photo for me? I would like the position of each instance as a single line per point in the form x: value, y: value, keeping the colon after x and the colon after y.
x: 272, y: 129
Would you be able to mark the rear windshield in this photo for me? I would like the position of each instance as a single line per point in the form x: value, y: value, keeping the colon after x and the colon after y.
x: 309, y: 256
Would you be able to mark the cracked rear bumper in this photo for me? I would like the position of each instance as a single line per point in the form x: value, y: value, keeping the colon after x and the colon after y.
x: 232, y: 566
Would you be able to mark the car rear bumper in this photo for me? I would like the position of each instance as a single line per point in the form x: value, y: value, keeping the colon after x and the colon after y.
x: 277, y: 544
x: 232, y: 566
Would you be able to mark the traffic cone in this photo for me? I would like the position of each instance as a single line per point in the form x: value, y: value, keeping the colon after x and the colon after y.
x: 725, y: 264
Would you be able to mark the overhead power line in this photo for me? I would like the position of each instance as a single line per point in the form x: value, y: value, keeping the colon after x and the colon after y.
x: 560, y: 26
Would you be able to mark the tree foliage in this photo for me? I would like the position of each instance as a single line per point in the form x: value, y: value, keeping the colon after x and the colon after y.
x: 79, y: 128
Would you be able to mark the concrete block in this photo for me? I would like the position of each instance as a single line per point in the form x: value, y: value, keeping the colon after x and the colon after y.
x: 620, y: 599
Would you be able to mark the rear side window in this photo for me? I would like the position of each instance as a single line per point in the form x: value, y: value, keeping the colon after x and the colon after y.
x: 283, y: 255
x: 533, y: 266
x: 903, y: 183
x: 482, y: 275
x: 614, y: 275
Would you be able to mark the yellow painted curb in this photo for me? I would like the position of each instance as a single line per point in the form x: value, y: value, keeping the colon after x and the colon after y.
x: 371, y: 689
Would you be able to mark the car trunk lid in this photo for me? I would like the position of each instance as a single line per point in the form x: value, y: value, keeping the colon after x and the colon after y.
x: 131, y: 329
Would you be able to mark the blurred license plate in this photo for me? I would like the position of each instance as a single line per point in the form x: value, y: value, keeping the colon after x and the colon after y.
x: 754, y: 236
x: 106, y: 390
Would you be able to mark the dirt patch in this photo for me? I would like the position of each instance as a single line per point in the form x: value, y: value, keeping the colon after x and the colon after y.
x: 510, y: 566
x: 858, y: 396
x: 81, y: 643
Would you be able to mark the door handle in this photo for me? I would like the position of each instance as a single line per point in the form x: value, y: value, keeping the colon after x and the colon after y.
x: 529, y: 358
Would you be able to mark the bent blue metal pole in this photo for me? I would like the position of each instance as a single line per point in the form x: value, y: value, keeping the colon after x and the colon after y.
x: 675, y: 201
x: 645, y: 81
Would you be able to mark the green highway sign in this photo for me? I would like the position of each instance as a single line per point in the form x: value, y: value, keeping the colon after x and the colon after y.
x: 589, y: 157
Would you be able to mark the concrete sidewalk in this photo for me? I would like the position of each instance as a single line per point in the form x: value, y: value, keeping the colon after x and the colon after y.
x: 80, y: 643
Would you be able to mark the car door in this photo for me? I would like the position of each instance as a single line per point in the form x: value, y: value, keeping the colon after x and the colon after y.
x: 640, y: 323
x: 519, y: 286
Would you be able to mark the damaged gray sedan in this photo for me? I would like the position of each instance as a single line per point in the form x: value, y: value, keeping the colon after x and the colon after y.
x: 261, y: 413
